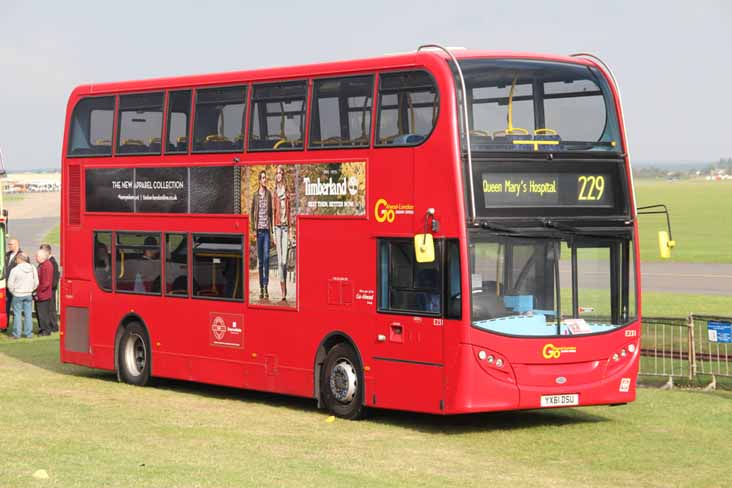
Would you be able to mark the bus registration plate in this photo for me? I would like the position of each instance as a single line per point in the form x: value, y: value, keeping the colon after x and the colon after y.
x: 559, y: 400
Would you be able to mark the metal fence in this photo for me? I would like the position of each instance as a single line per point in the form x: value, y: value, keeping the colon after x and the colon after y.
x: 698, y: 348
x: 712, y: 347
x: 665, y: 347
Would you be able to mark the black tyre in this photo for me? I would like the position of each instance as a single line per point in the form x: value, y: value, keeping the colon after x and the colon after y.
x: 133, y: 355
x: 341, y: 382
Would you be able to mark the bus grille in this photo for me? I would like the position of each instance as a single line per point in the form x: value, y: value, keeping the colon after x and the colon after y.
x: 74, y: 195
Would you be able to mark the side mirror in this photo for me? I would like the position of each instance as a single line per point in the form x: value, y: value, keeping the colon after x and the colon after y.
x: 664, y: 244
x: 424, y: 248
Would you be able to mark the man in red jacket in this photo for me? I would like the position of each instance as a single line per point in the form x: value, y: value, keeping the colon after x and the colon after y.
x: 44, y: 293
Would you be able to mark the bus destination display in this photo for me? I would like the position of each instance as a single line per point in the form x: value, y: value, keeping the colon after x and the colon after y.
x: 502, y: 189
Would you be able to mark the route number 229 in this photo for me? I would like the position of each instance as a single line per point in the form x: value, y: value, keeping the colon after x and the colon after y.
x: 591, y: 187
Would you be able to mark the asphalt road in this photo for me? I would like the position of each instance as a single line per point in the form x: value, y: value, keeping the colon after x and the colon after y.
x: 693, y: 278
x: 30, y: 232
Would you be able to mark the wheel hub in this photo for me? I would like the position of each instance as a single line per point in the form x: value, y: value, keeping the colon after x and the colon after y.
x: 343, y: 381
x: 135, y: 355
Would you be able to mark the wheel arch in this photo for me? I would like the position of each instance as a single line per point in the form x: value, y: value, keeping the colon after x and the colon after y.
x: 123, y: 323
x: 326, y: 344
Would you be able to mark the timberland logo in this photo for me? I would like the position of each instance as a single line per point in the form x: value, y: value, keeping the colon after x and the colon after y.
x: 328, y: 188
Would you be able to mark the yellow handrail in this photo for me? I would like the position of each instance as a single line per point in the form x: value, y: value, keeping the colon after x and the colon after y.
x: 510, y: 129
x: 122, y: 265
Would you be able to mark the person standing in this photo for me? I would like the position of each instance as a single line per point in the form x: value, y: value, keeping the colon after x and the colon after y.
x: 54, y: 286
x: 13, y: 250
x: 281, y: 226
x: 261, y: 223
x: 44, y: 293
x: 22, y: 282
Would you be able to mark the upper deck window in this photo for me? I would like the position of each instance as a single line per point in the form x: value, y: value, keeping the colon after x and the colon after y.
x: 91, y: 127
x: 524, y: 105
x: 278, y: 116
x: 341, y: 114
x: 219, y: 125
x: 179, y: 112
x: 140, y: 123
x: 408, y: 107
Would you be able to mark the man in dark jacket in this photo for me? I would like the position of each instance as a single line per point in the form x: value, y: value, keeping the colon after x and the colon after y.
x: 13, y: 251
x: 44, y: 293
x: 54, y: 285
x: 261, y: 223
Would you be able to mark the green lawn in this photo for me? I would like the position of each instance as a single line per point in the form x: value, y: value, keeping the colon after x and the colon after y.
x: 659, y: 304
x: 85, y: 429
x: 699, y: 213
x: 13, y: 198
x: 53, y: 237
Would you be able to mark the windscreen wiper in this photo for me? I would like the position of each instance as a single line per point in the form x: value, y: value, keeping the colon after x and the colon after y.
x: 568, y: 229
x: 497, y: 228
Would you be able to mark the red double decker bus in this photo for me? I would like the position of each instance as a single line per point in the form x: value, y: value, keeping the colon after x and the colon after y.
x: 441, y: 231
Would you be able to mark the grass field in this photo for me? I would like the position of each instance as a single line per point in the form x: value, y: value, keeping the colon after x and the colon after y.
x: 85, y: 429
x: 657, y: 304
x: 13, y: 198
x: 53, y: 237
x: 699, y: 212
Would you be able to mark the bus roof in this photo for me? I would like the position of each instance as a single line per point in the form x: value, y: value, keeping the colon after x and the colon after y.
x: 389, y: 61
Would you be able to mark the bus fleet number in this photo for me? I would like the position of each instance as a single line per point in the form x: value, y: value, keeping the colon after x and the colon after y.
x: 591, y: 188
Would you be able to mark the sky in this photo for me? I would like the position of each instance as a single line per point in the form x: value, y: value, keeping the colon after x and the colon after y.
x: 671, y: 58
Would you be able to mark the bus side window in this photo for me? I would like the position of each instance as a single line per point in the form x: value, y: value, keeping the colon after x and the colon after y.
x: 218, y: 268
x: 138, y: 263
x: 91, y: 127
x: 102, y: 260
x: 219, y: 119
x: 406, y: 286
x: 179, y: 112
x: 176, y: 264
x: 140, y: 123
x: 277, y: 120
x: 408, y: 108
x: 341, y: 112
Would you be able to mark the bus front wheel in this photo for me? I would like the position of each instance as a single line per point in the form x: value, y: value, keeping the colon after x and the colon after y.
x: 133, y: 355
x: 342, y: 382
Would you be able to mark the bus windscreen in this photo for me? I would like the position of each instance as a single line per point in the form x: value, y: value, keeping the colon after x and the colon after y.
x: 539, y: 106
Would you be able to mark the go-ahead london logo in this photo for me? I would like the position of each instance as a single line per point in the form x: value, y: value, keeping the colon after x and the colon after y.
x: 550, y: 351
x: 387, y: 212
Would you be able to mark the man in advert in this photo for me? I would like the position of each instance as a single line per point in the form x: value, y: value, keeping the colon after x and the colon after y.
x: 261, y: 221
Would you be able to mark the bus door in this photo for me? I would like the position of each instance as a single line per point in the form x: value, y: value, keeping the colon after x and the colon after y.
x: 410, y: 322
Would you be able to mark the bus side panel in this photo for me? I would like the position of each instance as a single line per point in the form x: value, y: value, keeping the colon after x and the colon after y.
x: 407, y: 386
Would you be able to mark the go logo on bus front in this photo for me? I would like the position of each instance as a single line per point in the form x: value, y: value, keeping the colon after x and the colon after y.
x: 387, y: 212
x: 550, y: 351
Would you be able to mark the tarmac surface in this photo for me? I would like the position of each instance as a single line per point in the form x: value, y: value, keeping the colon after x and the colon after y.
x: 37, y: 213
x: 31, y: 217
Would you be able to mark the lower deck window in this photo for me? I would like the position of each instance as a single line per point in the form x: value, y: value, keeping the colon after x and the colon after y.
x: 176, y: 264
x: 218, y: 268
x: 138, y: 263
x: 102, y: 260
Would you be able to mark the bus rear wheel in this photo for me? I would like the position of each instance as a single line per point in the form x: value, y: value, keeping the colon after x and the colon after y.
x: 133, y: 355
x: 342, y: 382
